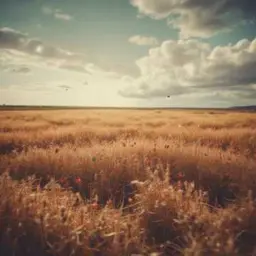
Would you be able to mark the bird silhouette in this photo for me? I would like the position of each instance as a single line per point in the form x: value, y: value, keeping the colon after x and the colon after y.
x: 65, y: 87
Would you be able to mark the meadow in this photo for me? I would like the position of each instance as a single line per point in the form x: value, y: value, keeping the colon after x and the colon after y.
x: 112, y: 182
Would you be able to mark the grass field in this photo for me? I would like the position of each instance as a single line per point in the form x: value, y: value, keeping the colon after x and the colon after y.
x: 108, y: 182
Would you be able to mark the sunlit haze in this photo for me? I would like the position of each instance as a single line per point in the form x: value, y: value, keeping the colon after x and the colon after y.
x: 121, y: 53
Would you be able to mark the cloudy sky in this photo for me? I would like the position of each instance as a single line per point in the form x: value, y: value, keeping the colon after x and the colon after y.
x: 140, y: 53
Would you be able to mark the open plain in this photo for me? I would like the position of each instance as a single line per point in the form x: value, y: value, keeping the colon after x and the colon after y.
x: 112, y: 182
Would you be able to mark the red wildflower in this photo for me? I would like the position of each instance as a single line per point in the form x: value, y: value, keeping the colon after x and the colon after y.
x: 78, y: 180
x: 180, y: 175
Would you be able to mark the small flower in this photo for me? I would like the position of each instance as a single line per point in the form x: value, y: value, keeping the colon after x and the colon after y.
x: 78, y: 180
x: 180, y: 175
x: 95, y: 205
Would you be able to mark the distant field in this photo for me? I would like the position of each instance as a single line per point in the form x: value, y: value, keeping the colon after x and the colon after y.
x: 169, y: 182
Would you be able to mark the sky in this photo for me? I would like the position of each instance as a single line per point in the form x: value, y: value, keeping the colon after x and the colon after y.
x: 128, y: 53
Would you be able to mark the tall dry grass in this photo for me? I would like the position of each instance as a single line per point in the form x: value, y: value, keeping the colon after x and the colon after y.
x: 123, y: 182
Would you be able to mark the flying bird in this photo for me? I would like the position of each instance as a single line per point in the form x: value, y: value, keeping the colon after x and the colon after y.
x: 65, y: 87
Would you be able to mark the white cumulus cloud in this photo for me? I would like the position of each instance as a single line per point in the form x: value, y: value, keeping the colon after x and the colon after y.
x: 198, y: 18
x: 63, y: 16
x: 143, y: 40
x: 22, y: 55
x: 189, y: 66
x: 56, y: 13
